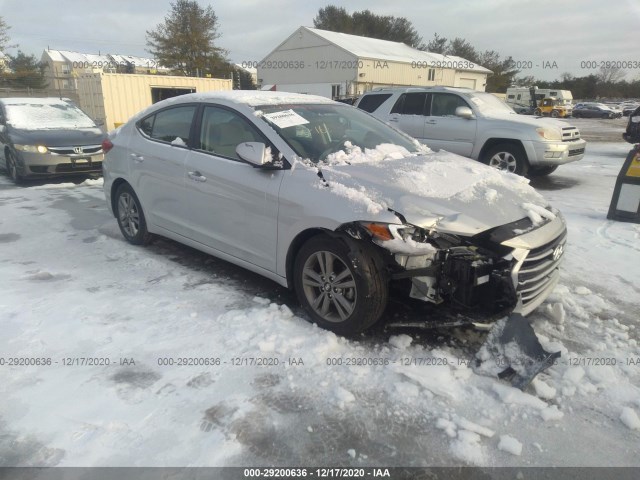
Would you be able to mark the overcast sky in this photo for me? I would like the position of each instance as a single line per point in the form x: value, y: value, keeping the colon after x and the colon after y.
x: 542, y: 32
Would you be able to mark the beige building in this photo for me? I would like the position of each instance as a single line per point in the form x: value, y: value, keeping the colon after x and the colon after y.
x: 112, y: 98
x: 335, y: 65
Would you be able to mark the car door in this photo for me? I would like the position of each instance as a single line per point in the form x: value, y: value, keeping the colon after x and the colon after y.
x: 157, y: 154
x: 230, y: 205
x: 444, y: 130
x: 408, y: 114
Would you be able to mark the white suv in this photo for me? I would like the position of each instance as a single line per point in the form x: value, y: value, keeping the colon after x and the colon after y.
x: 477, y: 125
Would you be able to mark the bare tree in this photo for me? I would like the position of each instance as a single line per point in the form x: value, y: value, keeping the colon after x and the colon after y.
x: 610, y: 75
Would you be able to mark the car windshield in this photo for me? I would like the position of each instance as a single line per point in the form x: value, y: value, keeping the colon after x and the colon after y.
x: 488, y: 104
x: 315, y: 131
x: 46, y: 115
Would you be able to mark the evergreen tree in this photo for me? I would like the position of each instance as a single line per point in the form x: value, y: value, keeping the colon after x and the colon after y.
x: 185, y: 41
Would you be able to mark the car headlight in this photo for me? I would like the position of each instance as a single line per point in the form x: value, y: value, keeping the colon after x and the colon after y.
x: 549, y: 133
x: 388, y: 231
x: 31, y: 148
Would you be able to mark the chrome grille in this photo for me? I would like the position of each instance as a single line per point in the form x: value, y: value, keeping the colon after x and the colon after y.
x: 76, y: 150
x: 570, y: 134
x: 539, y: 269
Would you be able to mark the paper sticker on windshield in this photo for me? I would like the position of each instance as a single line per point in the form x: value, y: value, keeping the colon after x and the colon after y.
x: 285, y: 118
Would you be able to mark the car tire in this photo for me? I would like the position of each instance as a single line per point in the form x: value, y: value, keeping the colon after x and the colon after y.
x: 555, y: 113
x: 507, y: 157
x: 131, y: 219
x: 537, y: 112
x: 12, y: 168
x: 542, y: 171
x: 341, y: 283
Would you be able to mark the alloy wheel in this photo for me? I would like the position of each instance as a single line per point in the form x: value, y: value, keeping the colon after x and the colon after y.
x: 329, y: 286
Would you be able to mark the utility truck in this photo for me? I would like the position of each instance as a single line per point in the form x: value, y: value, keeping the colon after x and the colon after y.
x: 528, y: 99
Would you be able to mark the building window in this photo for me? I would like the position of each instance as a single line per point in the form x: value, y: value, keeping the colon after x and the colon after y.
x: 335, y: 91
x: 66, y: 70
x: 432, y: 74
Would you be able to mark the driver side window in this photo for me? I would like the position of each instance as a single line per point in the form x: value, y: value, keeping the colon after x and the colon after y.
x: 222, y: 131
x: 445, y: 104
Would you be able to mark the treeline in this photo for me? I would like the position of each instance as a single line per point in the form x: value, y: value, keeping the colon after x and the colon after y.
x: 601, y: 85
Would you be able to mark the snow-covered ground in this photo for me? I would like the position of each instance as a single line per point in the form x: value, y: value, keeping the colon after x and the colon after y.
x: 72, y: 289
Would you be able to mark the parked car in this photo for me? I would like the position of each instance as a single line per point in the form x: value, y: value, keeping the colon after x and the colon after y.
x: 632, y: 132
x: 324, y: 198
x: 477, y: 125
x: 45, y: 137
x: 629, y: 107
x: 594, y: 110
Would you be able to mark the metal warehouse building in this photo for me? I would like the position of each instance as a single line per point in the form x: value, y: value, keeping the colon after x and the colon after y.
x: 335, y: 65
x: 112, y: 98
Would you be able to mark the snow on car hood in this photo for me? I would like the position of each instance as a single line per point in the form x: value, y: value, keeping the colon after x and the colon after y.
x: 445, y: 190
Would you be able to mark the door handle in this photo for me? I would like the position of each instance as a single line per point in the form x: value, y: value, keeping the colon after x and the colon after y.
x: 393, y: 119
x: 197, y: 176
x: 431, y: 122
x: 137, y: 158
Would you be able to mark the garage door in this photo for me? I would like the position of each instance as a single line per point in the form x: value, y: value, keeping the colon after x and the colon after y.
x: 468, y: 83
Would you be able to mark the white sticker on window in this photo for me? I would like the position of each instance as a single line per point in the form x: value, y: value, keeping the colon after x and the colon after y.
x: 285, y: 118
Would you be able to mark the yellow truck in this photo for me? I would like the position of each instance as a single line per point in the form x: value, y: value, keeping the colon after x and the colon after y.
x: 553, y: 107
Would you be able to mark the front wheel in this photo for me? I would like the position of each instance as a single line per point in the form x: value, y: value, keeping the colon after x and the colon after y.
x: 12, y: 168
x: 555, y: 113
x: 537, y: 112
x: 507, y: 157
x: 130, y: 216
x: 343, y: 289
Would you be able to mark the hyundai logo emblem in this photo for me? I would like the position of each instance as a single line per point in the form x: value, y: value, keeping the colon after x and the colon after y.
x: 78, y: 149
x: 557, y: 252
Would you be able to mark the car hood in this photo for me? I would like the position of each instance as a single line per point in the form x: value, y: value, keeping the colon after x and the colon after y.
x: 441, y: 190
x: 526, y: 120
x: 57, y: 138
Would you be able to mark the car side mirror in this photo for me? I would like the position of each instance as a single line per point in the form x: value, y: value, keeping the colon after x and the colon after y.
x: 464, y: 112
x: 255, y: 153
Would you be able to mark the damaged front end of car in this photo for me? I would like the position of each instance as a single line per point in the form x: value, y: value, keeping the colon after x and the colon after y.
x: 501, y: 273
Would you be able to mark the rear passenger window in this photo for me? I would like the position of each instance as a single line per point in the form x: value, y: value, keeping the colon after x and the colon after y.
x: 171, y: 125
x: 410, y: 103
x: 370, y: 103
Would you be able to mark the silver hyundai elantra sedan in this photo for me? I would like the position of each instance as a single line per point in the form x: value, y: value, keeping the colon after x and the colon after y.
x: 324, y: 198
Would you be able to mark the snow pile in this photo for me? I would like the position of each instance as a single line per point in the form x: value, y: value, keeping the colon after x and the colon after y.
x: 353, y: 154
x: 510, y: 444
x: 630, y: 418
x: 537, y: 214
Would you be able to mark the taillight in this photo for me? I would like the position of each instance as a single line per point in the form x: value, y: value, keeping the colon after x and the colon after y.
x: 106, y: 145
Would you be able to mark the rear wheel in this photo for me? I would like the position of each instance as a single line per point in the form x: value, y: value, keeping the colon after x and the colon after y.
x: 130, y: 216
x: 343, y: 289
x: 555, y: 113
x: 507, y: 157
x: 542, y: 171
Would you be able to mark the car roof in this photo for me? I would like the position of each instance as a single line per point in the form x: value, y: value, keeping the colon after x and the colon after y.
x: 35, y: 101
x: 250, y: 98
x: 422, y: 89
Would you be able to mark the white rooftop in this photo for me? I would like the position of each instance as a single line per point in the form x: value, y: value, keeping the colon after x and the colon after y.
x: 367, y: 47
x: 101, y: 60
